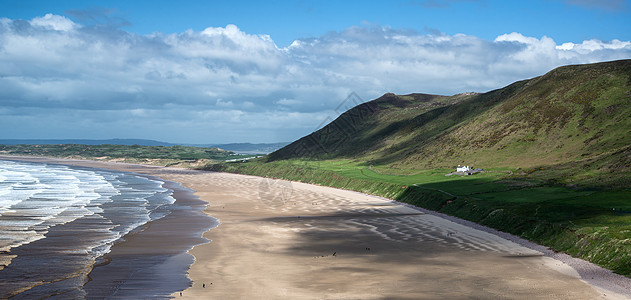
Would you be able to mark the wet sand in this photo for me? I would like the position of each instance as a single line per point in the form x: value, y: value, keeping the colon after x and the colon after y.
x: 152, y: 263
x: 279, y: 239
x: 149, y: 262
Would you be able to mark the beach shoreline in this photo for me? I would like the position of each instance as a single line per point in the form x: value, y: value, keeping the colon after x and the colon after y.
x: 289, y: 239
x: 151, y: 260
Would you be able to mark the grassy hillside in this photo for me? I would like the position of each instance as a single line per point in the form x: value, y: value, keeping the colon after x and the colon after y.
x: 556, y: 150
x: 577, y: 118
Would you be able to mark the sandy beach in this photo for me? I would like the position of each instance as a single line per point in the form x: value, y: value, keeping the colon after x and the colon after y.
x: 280, y: 239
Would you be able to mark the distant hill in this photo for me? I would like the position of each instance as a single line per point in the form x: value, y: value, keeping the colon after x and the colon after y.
x: 577, y: 118
x: 246, y: 148
x: 127, y: 142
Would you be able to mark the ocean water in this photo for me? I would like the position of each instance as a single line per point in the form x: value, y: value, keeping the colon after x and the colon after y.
x: 57, y: 222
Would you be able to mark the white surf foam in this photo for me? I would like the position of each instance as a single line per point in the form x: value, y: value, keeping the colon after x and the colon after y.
x: 35, y: 197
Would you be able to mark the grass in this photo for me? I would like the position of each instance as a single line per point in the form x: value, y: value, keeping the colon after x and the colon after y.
x: 575, y: 114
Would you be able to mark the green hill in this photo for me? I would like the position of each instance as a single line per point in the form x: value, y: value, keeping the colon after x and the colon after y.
x: 555, y: 149
x: 576, y: 118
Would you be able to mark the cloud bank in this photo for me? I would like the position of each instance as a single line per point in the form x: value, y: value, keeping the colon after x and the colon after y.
x: 59, y: 79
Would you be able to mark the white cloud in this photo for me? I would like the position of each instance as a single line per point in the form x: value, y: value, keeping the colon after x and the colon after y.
x: 54, y: 22
x: 222, y: 82
x: 222, y: 103
x: 594, y: 45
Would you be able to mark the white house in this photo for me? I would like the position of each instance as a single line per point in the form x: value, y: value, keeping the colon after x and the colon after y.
x: 463, y: 168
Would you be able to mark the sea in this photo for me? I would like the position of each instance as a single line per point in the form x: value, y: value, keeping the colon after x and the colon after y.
x: 60, y: 227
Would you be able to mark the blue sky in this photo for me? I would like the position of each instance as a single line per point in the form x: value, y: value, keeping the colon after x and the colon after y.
x: 285, y: 21
x: 268, y: 71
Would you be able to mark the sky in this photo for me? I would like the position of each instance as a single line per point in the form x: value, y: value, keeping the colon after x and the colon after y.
x: 211, y: 72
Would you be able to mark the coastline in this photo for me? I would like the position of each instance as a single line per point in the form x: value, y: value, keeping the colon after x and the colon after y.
x: 321, y: 242
x: 153, y: 260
